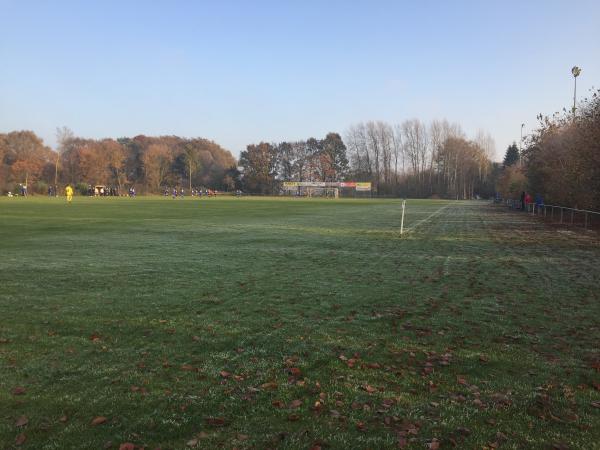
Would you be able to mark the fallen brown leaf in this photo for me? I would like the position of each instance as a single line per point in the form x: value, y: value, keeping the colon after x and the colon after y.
x: 463, y: 431
x: 99, y: 420
x: 370, y: 389
x: 20, y: 439
x: 216, y: 421
x: 269, y: 386
x: 19, y: 390
x: 295, y: 404
x: 21, y: 421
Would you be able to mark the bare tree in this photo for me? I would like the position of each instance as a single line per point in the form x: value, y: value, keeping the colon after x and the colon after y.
x: 398, y: 154
x: 356, y: 140
x: 415, y: 141
x: 374, y: 147
x: 64, y: 138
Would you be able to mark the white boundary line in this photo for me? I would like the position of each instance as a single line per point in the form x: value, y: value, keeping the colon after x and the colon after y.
x: 433, y: 214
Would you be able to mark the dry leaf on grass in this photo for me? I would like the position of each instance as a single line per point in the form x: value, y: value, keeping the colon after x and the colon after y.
x: 99, y: 420
x: 19, y: 390
x: 22, y: 421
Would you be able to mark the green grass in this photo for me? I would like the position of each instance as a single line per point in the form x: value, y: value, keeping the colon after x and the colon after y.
x: 478, y: 327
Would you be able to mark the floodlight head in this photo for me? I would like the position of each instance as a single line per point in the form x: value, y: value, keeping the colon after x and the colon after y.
x: 575, y: 71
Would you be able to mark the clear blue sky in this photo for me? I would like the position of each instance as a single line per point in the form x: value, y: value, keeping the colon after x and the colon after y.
x: 243, y: 71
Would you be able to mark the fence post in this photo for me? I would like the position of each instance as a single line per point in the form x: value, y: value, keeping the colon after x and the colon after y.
x: 572, y: 212
x: 585, y: 225
x: 561, y: 214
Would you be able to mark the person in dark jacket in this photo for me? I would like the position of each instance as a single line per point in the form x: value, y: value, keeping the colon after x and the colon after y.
x: 523, y: 200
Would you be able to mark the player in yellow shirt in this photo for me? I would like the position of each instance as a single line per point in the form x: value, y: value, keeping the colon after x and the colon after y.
x: 69, y: 192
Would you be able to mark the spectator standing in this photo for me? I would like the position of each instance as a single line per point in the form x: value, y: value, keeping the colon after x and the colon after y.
x: 539, y: 200
x: 523, y: 201
x: 527, y: 201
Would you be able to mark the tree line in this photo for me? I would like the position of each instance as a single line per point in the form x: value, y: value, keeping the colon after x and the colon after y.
x: 265, y: 165
x: 409, y: 159
x: 148, y: 163
x: 414, y: 159
x: 560, y: 161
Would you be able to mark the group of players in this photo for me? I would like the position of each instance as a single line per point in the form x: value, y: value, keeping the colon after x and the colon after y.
x: 104, y: 191
x: 195, y: 192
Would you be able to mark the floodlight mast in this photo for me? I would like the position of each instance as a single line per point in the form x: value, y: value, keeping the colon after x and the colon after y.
x: 575, y: 71
x: 520, y: 143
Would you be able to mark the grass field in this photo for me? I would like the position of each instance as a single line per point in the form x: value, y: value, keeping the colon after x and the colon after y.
x: 280, y: 323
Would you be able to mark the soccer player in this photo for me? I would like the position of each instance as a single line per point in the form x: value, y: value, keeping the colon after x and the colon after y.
x: 69, y: 192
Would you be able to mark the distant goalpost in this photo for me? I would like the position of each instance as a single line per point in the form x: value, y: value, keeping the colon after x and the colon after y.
x: 330, y: 189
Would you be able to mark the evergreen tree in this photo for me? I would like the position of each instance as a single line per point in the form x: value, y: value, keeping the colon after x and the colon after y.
x: 512, y: 155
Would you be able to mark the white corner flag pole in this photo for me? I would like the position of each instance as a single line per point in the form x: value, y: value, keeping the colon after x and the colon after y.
x: 402, y: 221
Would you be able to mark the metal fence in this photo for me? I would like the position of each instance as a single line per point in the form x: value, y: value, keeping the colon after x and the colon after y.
x: 560, y: 215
